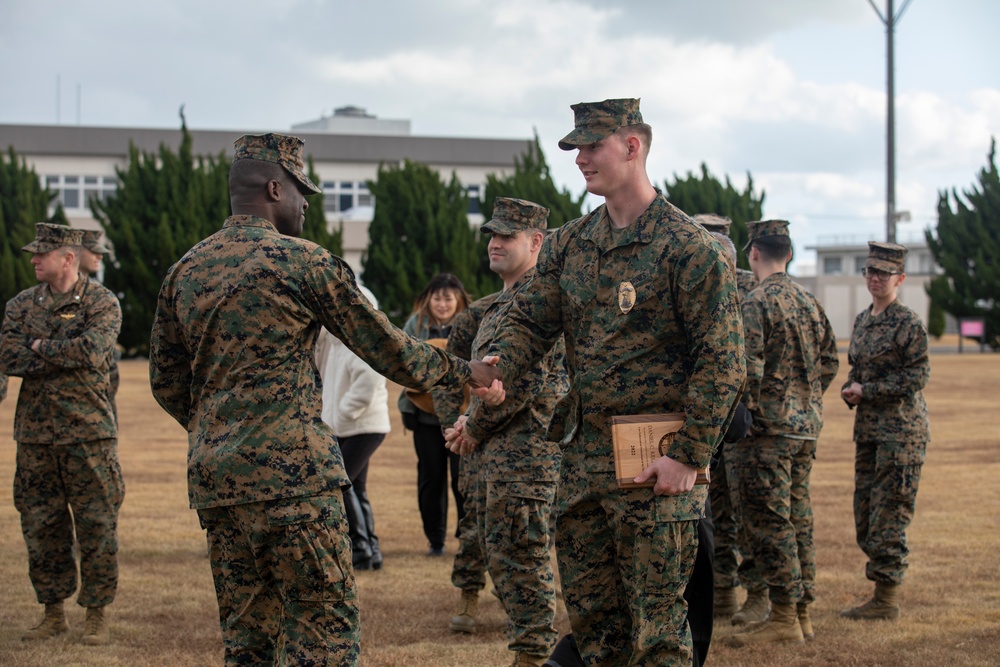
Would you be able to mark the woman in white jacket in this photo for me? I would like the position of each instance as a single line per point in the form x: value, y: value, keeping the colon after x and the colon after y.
x: 355, y: 405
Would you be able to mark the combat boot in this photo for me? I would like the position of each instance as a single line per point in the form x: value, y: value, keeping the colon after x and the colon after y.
x: 883, y: 605
x: 53, y: 624
x: 528, y: 660
x: 782, y: 625
x: 95, y: 632
x: 465, y: 620
x: 725, y: 605
x: 754, y: 609
x: 805, y: 622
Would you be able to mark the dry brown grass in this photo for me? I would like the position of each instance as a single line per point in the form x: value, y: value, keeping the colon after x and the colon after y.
x: 165, y: 613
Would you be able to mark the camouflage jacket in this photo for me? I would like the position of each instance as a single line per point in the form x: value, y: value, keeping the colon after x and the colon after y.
x: 791, y: 358
x: 448, y: 404
x: 231, y: 359
x: 745, y: 282
x: 888, y: 357
x: 3, y: 387
x: 651, y: 324
x: 513, y: 437
x: 65, y: 393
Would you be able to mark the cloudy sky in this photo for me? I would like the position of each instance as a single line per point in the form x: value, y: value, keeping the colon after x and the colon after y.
x: 790, y: 91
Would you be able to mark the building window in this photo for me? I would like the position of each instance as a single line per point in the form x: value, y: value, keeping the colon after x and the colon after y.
x: 859, y: 263
x: 340, y: 196
x: 76, y: 192
x: 832, y: 266
x: 472, y: 191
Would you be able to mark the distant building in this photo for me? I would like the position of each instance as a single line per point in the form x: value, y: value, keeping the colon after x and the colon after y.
x: 840, y: 287
x: 347, y: 148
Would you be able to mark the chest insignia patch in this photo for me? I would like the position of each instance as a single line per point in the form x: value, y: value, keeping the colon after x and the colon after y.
x: 626, y: 296
x: 67, y: 316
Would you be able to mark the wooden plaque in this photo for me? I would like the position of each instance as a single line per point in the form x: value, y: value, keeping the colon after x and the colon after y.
x: 638, y: 440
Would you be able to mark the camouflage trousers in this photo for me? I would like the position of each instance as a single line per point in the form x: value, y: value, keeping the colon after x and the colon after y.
x: 886, y: 477
x: 515, y: 538
x: 773, y: 479
x: 725, y: 518
x: 284, y: 581
x: 624, y: 561
x: 468, y: 572
x: 59, y: 489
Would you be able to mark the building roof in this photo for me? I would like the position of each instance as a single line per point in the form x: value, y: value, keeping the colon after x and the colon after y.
x: 93, y: 141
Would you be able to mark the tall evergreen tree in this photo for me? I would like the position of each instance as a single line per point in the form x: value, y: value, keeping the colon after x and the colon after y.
x: 531, y: 180
x: 165, y: 203
x: 420, y: 228
x: 23, y: 202
x: 967, y: 247
x: 705, y: 194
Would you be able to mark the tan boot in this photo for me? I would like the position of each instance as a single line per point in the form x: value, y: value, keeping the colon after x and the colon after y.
x: 782, y: 625
x: 883, y: 606
x: 465, y: 620
x: 725, y: 604
x: 805, y: 622
x: 754, y: 609
x: 53, y: 624
x: 96, y: 632
x: 528, y: 660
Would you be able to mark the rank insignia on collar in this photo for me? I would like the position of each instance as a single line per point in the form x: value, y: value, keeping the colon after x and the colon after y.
x: 626, y: 297
x: 67, y: 316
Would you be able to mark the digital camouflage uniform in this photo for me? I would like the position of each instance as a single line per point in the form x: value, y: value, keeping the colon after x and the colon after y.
x: 468, y: 572
x: 68, y: 478
x: 231, y: 359
x: 518, y: 474
x: 625, y: 556
x: 791, y: 360
x: 92, y: 242
x: 888, y: 357
x: 723, y: 490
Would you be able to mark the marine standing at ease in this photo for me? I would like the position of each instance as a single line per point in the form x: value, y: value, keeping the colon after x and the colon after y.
x: 791, y: 356
x: 231, y: 359
x: 58, y: 337
x: 648, y: 306
x: 889, y: 370
x: 518, y: 463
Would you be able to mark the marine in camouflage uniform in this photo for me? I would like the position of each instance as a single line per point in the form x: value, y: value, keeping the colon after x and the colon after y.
x: 94, y: 251
x: 791, y: 360
x: 58, y: 337
x: 730, y: 543
x: 231, y: 359
x: 518, y: 466
x: 648, y: 307
x: 890, y: 367
x: 468, y: 572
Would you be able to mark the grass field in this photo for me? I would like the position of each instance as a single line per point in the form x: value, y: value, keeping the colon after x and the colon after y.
x: 166, y: 614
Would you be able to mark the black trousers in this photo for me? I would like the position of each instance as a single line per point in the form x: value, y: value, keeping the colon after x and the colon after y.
x: 433, y: 464
x: 357, y: 451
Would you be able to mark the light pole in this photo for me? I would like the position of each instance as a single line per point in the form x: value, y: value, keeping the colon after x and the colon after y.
x: 890, y: 19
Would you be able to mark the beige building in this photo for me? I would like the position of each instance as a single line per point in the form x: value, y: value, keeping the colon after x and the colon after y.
x: 347, y: 148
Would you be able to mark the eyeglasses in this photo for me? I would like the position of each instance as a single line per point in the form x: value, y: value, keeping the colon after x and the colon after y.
x: 869, y: 272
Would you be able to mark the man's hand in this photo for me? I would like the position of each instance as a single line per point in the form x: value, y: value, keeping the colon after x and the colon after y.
x: 852, y: 394
x: 36, y: 345
x: 672, y: 477
x: 457, y: 441
x: 486, y: 382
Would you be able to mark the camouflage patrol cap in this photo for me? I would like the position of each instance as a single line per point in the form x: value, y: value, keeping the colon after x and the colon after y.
x: 886, y: 257
x: 713, y: 222
x: 92, y: 242
x: 512, y: 215
x: 50, y: 236
x: 765, y: 228
x: 598, y: 120
x: 281, y: 149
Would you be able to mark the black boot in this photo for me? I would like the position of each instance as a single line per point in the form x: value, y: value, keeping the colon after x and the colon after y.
x: 366, y: 510
x: 565, y: 654
x: 357, y: 528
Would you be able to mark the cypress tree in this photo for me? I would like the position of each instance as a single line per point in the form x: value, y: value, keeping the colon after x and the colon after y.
x: 705, y: 194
